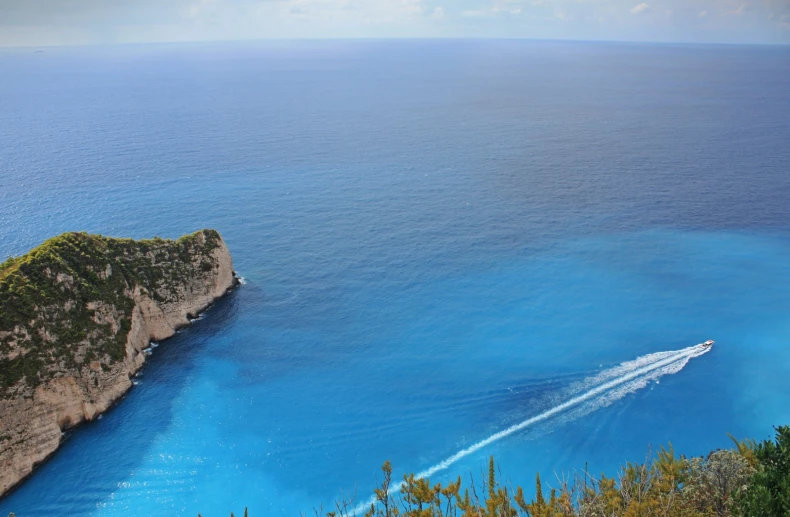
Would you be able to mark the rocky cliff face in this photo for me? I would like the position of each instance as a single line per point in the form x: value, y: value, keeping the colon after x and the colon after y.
x: 75, y: 316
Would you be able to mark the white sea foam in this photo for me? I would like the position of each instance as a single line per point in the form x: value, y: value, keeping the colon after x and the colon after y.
x: 593, y: 393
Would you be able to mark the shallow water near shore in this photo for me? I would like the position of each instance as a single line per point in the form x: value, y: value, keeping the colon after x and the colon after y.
x: 440, y: 241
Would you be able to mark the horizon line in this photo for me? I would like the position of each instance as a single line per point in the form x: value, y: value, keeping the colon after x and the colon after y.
x: 403, y: 38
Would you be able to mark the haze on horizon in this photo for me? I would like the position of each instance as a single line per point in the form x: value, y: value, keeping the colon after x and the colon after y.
x: 58, y: 22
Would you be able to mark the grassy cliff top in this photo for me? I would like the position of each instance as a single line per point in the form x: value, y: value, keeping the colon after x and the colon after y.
x: 65, y: 245
x: 57, y: 301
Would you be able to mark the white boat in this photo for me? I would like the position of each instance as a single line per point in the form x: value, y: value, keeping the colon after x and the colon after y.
x: 708, y: 343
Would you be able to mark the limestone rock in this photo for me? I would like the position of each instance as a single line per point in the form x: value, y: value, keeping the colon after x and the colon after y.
x: 75, y: 317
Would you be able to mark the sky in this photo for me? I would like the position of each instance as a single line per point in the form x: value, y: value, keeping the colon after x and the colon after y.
x: 77, y: 22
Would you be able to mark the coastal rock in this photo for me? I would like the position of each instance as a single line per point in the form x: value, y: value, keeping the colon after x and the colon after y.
x: 77, y: 313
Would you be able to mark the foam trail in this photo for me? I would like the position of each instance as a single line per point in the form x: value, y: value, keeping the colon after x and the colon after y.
x: 628, y: 376
x: 681, y: 355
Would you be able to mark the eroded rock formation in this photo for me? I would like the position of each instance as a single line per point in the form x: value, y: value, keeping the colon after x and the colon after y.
x: 76, y: 314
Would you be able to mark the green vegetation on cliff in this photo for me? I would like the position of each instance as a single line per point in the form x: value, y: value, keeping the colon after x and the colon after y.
x: 69, y: 302
x: 752, y: 480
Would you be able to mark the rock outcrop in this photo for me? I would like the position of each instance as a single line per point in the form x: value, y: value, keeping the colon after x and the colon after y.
x: 76, y: 314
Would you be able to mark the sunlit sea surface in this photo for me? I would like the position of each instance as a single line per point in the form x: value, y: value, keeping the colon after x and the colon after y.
x: 440, y: 240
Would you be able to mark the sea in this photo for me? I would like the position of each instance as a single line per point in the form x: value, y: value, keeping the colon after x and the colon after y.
x: 451, y: 250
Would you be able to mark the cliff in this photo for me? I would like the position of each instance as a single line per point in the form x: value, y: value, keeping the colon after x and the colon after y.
x: 76, y: 314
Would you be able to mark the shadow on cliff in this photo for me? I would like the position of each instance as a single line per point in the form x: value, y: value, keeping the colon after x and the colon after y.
x: 108, y: 451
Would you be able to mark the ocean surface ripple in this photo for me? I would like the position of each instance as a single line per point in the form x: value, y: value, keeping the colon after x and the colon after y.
x: 449, y: 249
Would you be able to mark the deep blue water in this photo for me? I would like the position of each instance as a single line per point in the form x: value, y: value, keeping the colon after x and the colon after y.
x: 440, y: 240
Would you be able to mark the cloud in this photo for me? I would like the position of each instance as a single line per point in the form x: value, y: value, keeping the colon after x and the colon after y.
x: 196, y: 8
x: 737, y: 12
x: 506, y: 9
x: 53, y: 22
x: 476, y: 13
x: 498, y: 9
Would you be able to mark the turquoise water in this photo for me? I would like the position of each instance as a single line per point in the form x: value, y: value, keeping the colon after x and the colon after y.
x: 440, y: 240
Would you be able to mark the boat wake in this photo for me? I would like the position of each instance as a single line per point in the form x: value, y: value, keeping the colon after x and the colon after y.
x: 592, y: 393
